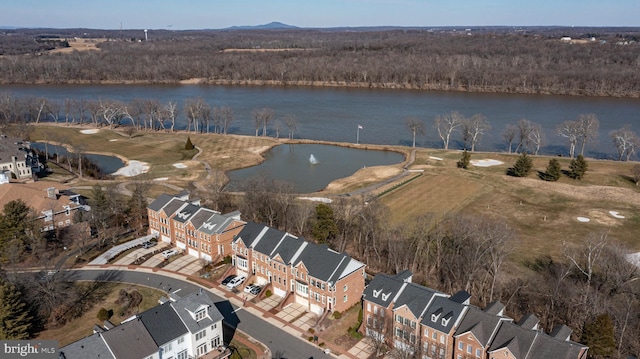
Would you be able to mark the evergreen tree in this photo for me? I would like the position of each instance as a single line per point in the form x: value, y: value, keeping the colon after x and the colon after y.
x: 464, y: 160
x: 13, y: 224
x: 324, y: 225
x: 553, y: 170
x: 578, y: 167
x: 522, y: 167
x: 599, y: 336
x: 99, y: 207
x: 15, y: 321
x: 189, y: 146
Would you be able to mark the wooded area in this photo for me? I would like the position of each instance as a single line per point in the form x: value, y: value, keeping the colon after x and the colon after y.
x: 532, y: 60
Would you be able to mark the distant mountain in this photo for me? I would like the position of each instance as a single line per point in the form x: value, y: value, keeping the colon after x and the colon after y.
x: 270, y: 26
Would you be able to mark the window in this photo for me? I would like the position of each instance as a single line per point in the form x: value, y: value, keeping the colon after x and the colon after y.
x: 167, y: 348
x: 442, y: 338
x: 243, y: 263
x: 201, y: 334
x: 201, y: 314
x: 478, y: 352
x: 461, y: 346
x: 182, y: 355
x: 469, y: 349
x: 434, y: 336
x: 180, y: 340
x: 344, y: 289
x: 201, y: 349
x: 344, y: 299
x: 214, y: 326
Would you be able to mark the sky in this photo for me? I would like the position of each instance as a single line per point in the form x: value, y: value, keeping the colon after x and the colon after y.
x: 217, y: 14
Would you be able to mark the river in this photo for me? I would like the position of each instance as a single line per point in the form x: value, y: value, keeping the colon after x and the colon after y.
x: 333, y: 114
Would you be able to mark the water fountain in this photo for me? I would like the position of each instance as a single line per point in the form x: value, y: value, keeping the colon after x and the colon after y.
x: 313, y: 160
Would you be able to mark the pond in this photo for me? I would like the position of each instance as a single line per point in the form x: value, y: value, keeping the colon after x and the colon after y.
x: 108, y: 164
x: 311, y: 167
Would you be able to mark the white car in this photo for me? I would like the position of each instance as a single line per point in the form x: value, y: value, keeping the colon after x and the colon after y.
x: 235, y: 282
x: 169, y: 253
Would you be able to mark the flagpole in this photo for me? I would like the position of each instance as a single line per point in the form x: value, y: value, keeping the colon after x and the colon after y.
x: 358, y: 136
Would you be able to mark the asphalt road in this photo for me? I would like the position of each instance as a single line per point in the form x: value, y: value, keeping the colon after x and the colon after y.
x: 281, y: 343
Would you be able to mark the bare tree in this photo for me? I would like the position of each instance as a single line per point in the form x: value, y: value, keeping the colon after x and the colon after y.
x: 416, y: 127
x: 570, y: 131
x: 474, y: 128
x: 509, y: 135
x: 226, y: 118
x: 586, y: 258
x: 536, y: 137
x: 193, y: 109
x: 626, y: 142
x: 588, y: 126
x: 214, y: 187
x: 53, y: 110
x: 530, y: 136
x: 446, y: 124
x: 171, y: 112
x: 291, y: 123
x: 112, y: 112
x: 41, y: 106
x: 262, y: 117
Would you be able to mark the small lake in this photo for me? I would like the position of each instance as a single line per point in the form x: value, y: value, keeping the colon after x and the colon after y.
x: 108, y: 164
x: 311, y: 167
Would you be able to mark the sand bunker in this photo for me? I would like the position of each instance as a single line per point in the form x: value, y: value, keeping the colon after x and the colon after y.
x: 179, y: 165
x: 435, y: 158
x: 486, y: 163
x: 616, y: 214
x: 317, y: 199
x: 114, y: 140
x: 161, y: 179
x: 583, y: 219
x: 133, y: 168
x: 89, y: 132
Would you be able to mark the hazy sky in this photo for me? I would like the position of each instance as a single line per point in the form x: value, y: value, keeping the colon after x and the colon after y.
x: 215, y: 14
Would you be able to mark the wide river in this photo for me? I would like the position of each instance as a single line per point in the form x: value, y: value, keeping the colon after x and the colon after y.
x: 333, y: 114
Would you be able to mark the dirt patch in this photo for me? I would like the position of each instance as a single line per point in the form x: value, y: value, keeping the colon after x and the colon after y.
x: 79, y: 44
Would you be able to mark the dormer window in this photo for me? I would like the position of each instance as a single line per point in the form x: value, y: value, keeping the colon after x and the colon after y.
x: 434, y: 317
x: 201, y: 314
x: 386, y: 296
x: 445, y: 321
x: 376, y: 293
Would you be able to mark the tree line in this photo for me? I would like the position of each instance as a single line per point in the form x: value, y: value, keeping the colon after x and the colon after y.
x: 480, y: 61
x: 153, y: 115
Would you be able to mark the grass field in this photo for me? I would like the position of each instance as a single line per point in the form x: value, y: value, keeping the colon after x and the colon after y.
x: 543, y: 213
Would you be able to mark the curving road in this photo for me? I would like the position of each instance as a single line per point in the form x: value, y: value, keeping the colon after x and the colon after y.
x: 281, y: 343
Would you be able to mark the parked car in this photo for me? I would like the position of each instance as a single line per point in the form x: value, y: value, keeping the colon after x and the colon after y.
x: 235, y: 282
x: 250, y: 287
x: 149, y: 244
x: 256, y: 290
x: 228, y: 279
x: 169, y: 253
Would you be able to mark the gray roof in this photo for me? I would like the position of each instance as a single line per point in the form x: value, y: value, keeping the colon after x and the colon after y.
x: 186, y: 305
x: 186, y: 212
x: 561, y: 332
x: 518, y: 339
x: 160, y: 202
x: 321, y: 262
x: 215, y: 224
x: 201, y: 216
x: 163, y: 323
x: 87, y: 348
x: 130, y: 340
x: 548, y: 347
x: 482, y: 324
x: 529, y: 321
x: 416, y: 298
x: 173, y: 205
x: 443, y: 308
x: 382, y: 289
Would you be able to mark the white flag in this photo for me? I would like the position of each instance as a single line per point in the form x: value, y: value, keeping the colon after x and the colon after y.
x: 360, y: 127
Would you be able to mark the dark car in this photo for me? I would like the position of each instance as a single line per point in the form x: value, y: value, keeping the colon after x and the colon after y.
x: 228, y: 279
x: 255, y: 290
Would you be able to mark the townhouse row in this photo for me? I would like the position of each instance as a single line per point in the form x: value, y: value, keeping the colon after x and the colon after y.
x: 420, y: 321
x: 179, y: 328
x: 315, y: 276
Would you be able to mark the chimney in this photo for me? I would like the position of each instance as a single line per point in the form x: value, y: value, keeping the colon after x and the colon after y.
x: 51, y: 193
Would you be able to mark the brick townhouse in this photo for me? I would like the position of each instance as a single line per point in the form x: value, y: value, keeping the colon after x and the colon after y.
x: 420, y: 321
x: 316, y: 276
x: 200, y: 232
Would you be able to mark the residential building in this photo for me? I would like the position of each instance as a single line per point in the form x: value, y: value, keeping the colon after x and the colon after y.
x: 199, y: 231
x: 179, y: 328
x: 416, y: 320
x: 17, y: 158
x: 54, y: 203
x: 313, y: 275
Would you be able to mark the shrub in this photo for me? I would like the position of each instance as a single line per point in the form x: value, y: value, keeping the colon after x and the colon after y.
x: 310, y: 338
x: 578, y: 167
x: 522, y: 167
x: 268, y: 293
x: 553, y: 170
x: 311, y: 330
x: 189, y: 146
x: 464, y: 160
x: 103, y: 314
x: 337, y: 315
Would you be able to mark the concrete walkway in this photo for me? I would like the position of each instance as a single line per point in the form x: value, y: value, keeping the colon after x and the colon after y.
x: 114, y: 251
